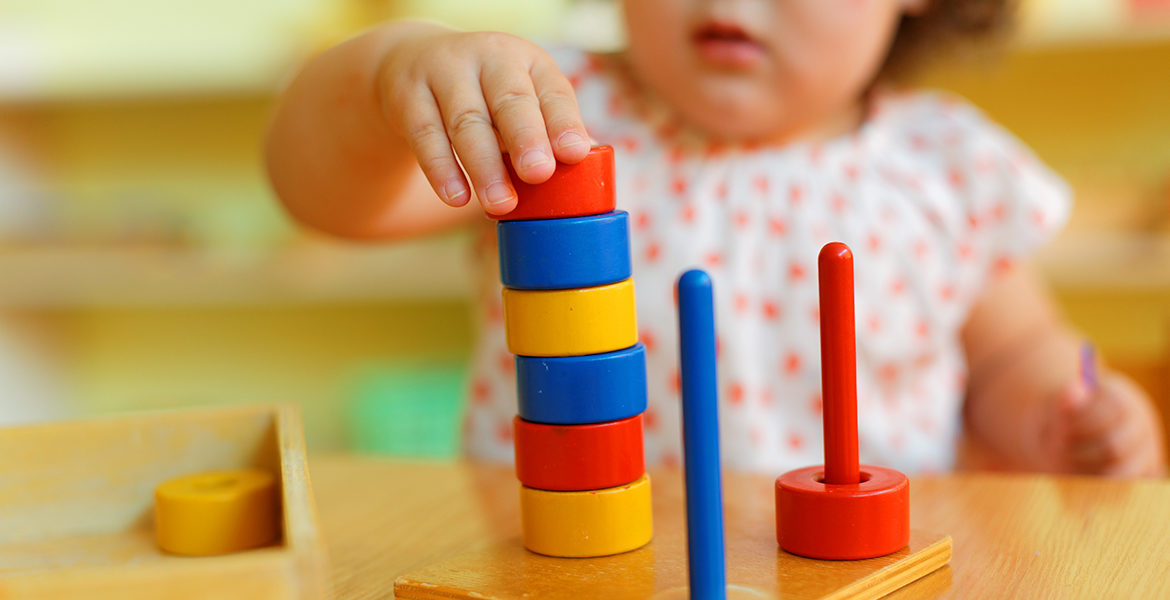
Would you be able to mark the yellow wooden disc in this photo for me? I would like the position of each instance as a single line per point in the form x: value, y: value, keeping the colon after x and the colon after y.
x: 217, y: 512
x: 571, y: 322
x: 590, y: 523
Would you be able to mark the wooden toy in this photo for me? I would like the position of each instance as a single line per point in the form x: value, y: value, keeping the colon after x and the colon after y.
x: 578, y: 457
x: 569, y: 316
x: 555, y: 254
x: 587, y: 523
x: 577, y: 390
x: 585, y: 188
x: 570, y: 322
x: 504, y: 570
x: 76, y: 502
x: 841, y: 510
x: 700, y: 423
x: 754, y: 566
x: 217, y: 512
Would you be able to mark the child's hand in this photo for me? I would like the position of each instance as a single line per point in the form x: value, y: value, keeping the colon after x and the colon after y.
x: 1112, y: 430
x: 458, y: 98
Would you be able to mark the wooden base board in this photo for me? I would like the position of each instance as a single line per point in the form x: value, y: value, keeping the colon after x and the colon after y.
x: 659, y: 571
x: 756, y: 567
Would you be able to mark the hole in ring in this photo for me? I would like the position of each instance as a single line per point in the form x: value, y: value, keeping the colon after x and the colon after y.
x: 820, y: 477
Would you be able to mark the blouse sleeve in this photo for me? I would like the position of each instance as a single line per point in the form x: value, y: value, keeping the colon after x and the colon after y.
x: 599, y: 93
x: 1014, y: 202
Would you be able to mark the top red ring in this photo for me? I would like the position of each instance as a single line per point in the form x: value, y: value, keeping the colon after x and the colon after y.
x: 579, y: 190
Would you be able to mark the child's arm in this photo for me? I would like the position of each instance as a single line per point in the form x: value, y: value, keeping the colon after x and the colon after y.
x: 1025, y: 398
x: 346, y: 144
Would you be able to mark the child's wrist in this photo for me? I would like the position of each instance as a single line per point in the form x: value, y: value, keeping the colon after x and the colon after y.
x: 1012, y: 403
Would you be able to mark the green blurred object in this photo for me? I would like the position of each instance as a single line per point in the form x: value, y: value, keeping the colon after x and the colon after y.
x: 408, y: 408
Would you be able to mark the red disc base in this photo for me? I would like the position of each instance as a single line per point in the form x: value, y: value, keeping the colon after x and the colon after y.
x: 842, y: 522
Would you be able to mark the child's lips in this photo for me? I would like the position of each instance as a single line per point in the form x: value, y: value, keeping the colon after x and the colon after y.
x: 727, y: 45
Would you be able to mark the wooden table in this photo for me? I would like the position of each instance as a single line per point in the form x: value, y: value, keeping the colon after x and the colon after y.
x: 1015, y: 536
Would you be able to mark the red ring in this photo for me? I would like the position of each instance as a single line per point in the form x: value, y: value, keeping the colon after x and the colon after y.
x: 845, y: 521
x: 579, y: 190
x: 570, y: 458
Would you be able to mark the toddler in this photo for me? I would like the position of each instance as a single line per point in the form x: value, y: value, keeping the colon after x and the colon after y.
x: 748, y: 133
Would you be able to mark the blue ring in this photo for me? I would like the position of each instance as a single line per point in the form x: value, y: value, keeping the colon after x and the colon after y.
x: 578, y: 390
x: 557, y: 254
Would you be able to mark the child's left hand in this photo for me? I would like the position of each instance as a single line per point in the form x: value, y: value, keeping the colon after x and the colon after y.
x: 1111, y: 430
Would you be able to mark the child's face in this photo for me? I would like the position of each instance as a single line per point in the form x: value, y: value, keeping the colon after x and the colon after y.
x: 766, y: 70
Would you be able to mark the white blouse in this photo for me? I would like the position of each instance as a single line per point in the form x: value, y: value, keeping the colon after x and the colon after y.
x: 933, y: 199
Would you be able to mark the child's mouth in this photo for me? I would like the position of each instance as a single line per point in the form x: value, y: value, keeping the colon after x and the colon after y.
x: 727, y: 45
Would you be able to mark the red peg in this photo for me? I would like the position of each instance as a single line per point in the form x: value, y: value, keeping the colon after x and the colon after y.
x: 841, y: 510
x: 839, y: 364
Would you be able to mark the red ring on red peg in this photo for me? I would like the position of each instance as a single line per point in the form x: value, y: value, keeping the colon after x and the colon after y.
x: 571, y: 458
x: 579, y: 190
x: 849, y: 521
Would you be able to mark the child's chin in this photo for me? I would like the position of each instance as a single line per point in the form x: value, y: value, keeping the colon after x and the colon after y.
x: 732, y: 116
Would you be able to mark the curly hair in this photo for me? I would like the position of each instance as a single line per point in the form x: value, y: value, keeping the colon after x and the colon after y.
x: 944, y: 26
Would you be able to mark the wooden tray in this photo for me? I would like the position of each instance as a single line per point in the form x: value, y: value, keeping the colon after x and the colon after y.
x: 76, y: 502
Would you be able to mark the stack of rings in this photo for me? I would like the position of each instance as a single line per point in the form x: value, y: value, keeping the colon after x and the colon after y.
x: 570, y: 320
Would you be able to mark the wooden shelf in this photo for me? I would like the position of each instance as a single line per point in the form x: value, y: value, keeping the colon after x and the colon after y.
x: 1082, y: 23
x: 1108, y: 260
x: 68, y: 51
x: 311, y: 271
x: 319, y: 271
x: 60, y: 50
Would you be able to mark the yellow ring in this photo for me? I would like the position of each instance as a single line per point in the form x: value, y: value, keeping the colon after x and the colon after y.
x: 590, y: 523
x: 571, y: 322
x: 217, y: 512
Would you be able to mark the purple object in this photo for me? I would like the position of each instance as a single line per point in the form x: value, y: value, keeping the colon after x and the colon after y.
x: 1089, y: 366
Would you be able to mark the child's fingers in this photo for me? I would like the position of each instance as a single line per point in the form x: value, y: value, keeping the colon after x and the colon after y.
x: 423, y: 126
x: 469, y: 127
x: 1116, y: 446
x: 515, y: 112
x: 1113, y: 433
x: 1147, y: 462
x: 562, y: 117
x: 1096, y: 417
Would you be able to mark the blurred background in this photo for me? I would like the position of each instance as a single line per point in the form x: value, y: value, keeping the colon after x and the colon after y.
x: 144, y: 263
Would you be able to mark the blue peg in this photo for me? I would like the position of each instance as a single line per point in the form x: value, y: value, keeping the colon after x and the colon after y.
x: 700, y: 397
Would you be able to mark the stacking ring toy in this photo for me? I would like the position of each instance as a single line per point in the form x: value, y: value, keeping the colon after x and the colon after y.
x: 584, y: 524
x: 577, y: 390
x: 578, y: 457
x: 585, y: 188
x: 842, y: 510
x: 556, y: 254
x: 217, y: 512
x: 843, y: 521
x: 570, y: 322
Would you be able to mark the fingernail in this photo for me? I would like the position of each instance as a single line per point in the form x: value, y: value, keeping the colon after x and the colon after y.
x: 497, y: 193
x: 454, y: 194
x: 534, y: 158
x: 571, y: 139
